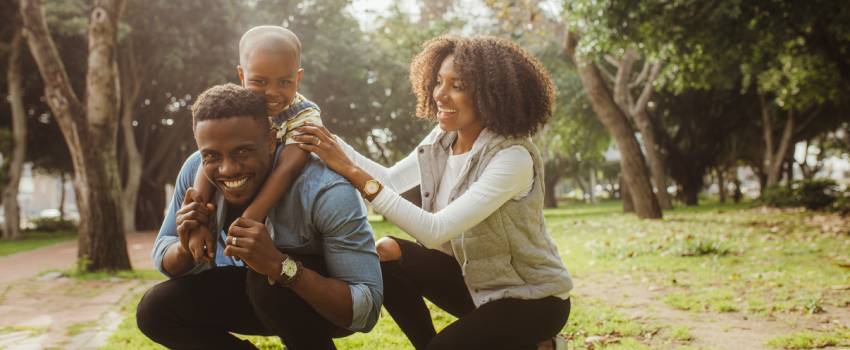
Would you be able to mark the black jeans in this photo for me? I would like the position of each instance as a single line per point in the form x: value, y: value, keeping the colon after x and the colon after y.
x: 199, y: 311
x: 500, y: 324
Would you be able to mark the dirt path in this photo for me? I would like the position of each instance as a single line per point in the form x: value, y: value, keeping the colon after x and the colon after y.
x: 59, y: 312
x: 644, y: 303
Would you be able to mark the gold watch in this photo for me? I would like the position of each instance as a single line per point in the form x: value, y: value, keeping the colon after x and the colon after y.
x: 289, y: 271
x: 371, y: 189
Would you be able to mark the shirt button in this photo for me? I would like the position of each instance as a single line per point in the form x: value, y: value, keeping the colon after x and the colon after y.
x: 421, y: 150
x: 427, y: 194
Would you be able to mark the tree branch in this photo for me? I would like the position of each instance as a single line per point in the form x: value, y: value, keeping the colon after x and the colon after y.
x: 648, y: 89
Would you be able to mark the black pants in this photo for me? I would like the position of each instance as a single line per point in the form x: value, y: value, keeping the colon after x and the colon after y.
x: 199, y: 311
x: 501, y: 324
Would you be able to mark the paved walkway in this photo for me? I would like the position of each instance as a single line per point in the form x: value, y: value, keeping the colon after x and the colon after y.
x: 59, y: 312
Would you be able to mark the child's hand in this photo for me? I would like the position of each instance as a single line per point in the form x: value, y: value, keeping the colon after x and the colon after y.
x: 202, y: 245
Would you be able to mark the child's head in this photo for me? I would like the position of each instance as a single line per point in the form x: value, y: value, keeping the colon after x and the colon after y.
x: 270, y: 65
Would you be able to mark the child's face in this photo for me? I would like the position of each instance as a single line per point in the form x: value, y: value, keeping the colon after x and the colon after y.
x: 273, y: 74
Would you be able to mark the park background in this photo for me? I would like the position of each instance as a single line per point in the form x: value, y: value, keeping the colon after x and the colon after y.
x: 696, y: 161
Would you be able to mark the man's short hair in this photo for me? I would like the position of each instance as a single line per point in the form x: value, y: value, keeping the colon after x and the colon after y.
x: 228, y: 101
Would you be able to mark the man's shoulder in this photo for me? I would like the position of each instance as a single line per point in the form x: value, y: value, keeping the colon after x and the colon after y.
x: 319, y: 176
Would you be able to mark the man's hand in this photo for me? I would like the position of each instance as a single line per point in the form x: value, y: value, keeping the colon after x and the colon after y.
x: 193, y: 227
x: 254, y: 246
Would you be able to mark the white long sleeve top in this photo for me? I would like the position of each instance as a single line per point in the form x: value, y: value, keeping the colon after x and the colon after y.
x: 509, y: 175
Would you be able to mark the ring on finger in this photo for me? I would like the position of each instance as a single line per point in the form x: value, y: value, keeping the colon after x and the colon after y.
x: 318, y: 141
x: 233, y: 241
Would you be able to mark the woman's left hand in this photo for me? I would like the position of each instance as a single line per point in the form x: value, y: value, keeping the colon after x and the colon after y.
x: 317, y: 139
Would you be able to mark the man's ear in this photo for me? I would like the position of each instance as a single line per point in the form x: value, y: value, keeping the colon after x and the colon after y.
x: 241, y: 74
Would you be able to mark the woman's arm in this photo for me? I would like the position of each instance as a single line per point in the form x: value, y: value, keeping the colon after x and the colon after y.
x: 401, y: 177
x: 509, y: 174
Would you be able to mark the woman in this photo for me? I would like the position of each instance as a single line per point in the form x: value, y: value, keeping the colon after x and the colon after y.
x: 483, y: 253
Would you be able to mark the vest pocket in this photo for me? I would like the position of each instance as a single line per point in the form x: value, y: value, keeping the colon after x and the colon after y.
x: 494, y: 272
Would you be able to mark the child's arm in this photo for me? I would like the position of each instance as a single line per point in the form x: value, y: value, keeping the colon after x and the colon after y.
x: 290, y: 162
x: 203, y: 193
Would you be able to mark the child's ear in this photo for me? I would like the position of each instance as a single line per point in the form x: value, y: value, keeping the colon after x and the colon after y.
x: 299, y: 75
x: 241, y: 74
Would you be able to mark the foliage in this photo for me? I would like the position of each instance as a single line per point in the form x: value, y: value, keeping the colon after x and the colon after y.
x: 52, y: 224
x: 812, y: 194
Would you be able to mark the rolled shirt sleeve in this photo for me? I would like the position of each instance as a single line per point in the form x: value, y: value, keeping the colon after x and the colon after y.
x: 349, y: 249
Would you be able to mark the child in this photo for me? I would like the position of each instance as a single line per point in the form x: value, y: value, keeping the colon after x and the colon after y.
x: 270, y: 65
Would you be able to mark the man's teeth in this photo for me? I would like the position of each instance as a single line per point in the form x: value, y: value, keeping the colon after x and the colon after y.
x: 446, y: 110
x: 236, y: 183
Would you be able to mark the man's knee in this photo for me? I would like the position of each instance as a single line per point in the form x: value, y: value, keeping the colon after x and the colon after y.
x: 151, y: 316
x: 388, y: 249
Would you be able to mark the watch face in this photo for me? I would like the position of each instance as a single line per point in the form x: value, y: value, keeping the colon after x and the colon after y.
x: 371, y: 187
x: 289, y: 268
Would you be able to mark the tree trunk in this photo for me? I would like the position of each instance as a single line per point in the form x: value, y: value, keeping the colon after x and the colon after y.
x: 19, y: 136
x: 721, y: 184
x: 636, y: 109
x: 551, y: 176
x: 62, y: 193
x: 89, y: 130
x: 773, y: 159
x: 691, y: 187
x: 592, y: 186
x: 626, y: 195
x: 632, y: 163
x: 129, y: 97
x: 549, y: 198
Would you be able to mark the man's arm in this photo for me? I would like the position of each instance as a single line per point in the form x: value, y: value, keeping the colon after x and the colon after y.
x: 349, y: 248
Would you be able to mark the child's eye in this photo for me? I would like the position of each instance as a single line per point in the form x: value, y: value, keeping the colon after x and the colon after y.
x: 257, y: 81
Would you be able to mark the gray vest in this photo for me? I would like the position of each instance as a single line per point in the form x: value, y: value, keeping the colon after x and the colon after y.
x: 509, y: 254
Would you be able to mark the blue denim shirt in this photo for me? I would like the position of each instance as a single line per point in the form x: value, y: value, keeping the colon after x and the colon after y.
x: 321, y: 214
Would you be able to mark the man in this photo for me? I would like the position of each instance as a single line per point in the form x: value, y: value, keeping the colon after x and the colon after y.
x: 309, y: 274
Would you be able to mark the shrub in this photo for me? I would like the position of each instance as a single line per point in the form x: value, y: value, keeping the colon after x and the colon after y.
x: 813, y: 194
x: 52, y: 224
x: 817, y: 194
x: 780, y: 197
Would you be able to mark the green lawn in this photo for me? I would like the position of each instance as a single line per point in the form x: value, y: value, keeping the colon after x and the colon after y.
x: 33, y: 240
x: 709, y: 259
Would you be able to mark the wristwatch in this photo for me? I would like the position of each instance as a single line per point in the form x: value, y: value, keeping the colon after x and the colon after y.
x: 371, y: 189
x: 289, y: 271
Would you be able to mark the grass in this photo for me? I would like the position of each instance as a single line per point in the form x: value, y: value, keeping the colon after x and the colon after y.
x: 34, y: 240
x: 709, y: 259
x: 812, y: 339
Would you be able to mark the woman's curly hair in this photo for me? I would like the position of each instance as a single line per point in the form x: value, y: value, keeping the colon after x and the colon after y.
x: 511, y: 90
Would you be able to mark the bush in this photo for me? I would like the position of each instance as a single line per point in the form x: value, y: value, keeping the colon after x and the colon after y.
x: 817, y: 194
x: 52, y: 224
x: 842, y: 204
x: 812, y: 194
x: 780, y: 197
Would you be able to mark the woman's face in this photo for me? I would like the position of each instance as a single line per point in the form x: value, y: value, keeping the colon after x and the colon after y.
x: 454, y: 104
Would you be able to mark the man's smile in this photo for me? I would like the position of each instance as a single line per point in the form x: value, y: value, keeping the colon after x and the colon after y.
x: 234, y: 184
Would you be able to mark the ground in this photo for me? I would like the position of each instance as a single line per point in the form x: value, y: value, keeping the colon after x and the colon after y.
x: 711, y: 277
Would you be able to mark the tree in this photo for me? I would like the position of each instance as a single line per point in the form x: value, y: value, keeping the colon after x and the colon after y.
x: 88, y: 128
x: 632, y: 162
x: 12, y: 229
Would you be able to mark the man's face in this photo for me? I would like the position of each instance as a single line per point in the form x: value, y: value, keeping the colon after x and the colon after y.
x: 237, y: 155
x: 274, y: 75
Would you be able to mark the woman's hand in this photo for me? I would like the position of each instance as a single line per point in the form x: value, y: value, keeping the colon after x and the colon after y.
x: 317, y: 139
